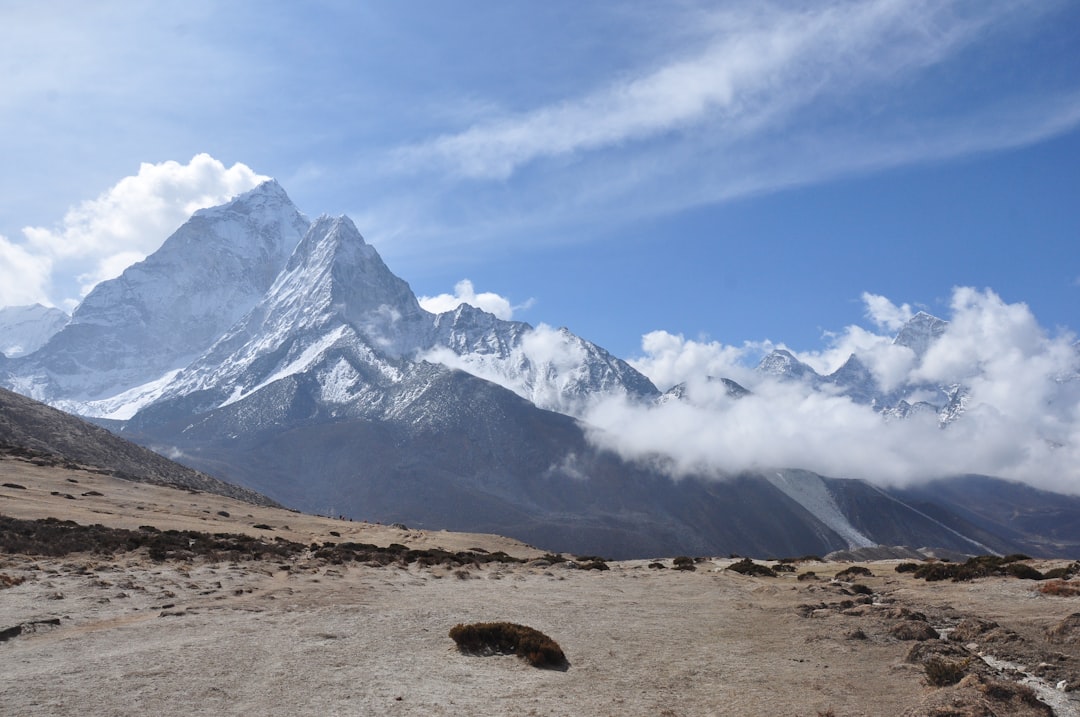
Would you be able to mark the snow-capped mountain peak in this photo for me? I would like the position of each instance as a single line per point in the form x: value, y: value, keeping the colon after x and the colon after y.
x: 165, y: 310
x: 919, y: 332
x: 781, y: 363
x: 553, y: 368
x: 350, y: 277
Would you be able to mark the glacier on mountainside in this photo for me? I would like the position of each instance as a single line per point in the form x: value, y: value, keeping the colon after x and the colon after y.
x: 25, y: 329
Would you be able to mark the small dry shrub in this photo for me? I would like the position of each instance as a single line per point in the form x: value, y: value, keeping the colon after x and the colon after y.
x: 10, y: 581
x: 854, y: 570
x: 942, y: 673
x: 1066, y: 631
x: 531, y: 645
x: 1006, y: 691
x: 1063, y: 573
x: 972, y: 629
x: 1023, y: 571
x: 981, y: 566
x: 684, y: 563
x: 746, y: 566
x: 1060, y: 588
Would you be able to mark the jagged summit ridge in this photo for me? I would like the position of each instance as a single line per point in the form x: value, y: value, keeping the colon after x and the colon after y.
x: 165, y: 310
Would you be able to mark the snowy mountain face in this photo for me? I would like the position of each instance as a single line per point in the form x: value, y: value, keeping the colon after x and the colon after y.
x: 681, y: 391
x: 552, y: 368
x: 335, y: 311
x: 782, y: 364
x: 25, y: 329
x: 251, y: 293
x: 166, y: 310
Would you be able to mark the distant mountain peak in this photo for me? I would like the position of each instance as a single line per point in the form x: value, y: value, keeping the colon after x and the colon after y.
x: 920, y: 331
x: 783, y: 364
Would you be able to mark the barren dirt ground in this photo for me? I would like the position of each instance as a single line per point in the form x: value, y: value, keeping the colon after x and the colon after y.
x: 308, y: 637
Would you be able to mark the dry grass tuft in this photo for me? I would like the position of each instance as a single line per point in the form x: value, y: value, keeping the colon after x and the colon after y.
x: 942, y: 673
x: 9, y: 581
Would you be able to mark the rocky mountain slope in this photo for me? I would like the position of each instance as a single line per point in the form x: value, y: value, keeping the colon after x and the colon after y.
x: 45, y: 435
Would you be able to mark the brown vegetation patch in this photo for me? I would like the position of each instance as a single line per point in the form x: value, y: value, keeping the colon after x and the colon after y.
x: 1060, y: 588
x: 982, y: 566
x: 683, y: 562
x: 509, y: 638
x: 976, y: 696
x: 913, y: 630
x: 854, y: 571
x: 53, y: 537
x: 746, y: 566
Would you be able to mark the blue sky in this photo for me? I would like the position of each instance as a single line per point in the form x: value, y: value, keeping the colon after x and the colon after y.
x: 729, y: 172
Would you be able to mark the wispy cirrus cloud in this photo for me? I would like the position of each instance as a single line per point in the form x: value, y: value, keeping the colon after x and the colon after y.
x: 764, y: 98
x: 758, y: 70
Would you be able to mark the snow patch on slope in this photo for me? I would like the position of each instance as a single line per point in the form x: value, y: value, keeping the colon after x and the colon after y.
x: 810, y: 491
x: 308, y: 357
x: 123, y: 405
x: 336, y: 384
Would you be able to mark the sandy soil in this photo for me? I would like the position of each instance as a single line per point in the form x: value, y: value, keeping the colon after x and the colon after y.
x: 305, y: 637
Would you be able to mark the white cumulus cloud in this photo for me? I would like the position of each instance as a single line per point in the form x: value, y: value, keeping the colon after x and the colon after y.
x: 465, y: 293
x: 671, y: 359
x: 98, y: 238
x: 24, y: 276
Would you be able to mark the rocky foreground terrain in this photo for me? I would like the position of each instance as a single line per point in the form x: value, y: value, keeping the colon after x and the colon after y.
x: 290, y: 614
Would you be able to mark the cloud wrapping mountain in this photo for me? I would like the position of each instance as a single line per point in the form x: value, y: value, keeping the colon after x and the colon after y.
x: 1020, y: 402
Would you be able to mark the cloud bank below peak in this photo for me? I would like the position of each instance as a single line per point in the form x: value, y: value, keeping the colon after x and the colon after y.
x: 1020, y: 421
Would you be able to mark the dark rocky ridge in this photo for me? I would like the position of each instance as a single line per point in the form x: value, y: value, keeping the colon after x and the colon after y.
x: 28, y: 426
